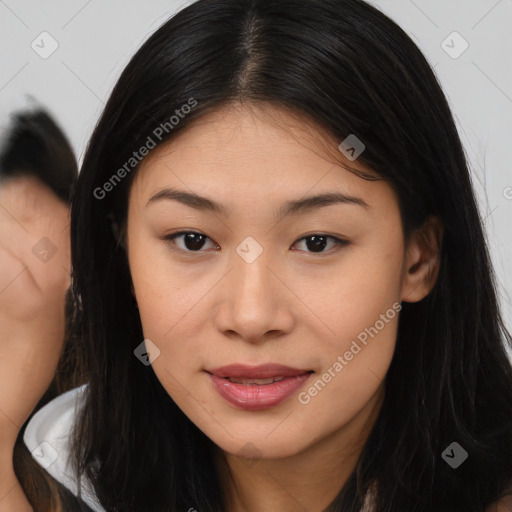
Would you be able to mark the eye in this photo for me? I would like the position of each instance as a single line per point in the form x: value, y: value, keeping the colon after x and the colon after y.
x: 192, y: 241
x: 317, y: 242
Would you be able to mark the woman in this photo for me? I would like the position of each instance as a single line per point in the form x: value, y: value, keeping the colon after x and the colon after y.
x: 283, y: 290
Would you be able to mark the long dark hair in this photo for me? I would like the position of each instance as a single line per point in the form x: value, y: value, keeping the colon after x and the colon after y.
x: 350, y: 70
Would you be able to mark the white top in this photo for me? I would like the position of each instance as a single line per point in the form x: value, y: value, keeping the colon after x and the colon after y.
x: 47, y: 438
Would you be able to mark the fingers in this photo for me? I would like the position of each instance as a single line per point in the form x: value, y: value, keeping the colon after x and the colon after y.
x: 34, y: 230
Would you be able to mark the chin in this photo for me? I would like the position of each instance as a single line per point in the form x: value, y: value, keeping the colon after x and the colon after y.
x: 260, y: 447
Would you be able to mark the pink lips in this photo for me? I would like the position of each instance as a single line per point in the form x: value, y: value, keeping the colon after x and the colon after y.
x: 257, y: 396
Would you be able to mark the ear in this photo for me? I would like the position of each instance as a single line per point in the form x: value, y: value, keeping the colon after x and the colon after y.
x: 422, y: 260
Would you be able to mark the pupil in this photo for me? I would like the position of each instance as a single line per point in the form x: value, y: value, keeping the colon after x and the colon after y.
x: 191, y: 241
x: 318, y: 242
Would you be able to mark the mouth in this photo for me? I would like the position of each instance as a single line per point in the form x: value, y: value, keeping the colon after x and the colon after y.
x: 260, y: 382
x: 257, y: 387
x: 262, y: 374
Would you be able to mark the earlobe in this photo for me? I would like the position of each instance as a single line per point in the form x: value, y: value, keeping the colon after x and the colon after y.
x: 422, y: 260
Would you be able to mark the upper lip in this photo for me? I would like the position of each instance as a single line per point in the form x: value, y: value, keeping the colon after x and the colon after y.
x: 263, y: 371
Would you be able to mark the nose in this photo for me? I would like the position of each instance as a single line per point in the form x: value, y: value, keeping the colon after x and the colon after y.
x: 256, y: 304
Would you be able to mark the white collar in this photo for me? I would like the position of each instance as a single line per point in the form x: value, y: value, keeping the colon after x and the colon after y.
x: 47, y: 438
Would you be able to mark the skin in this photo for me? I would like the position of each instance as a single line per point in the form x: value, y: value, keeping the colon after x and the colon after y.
x: 32, y: 294
x: 213, y: 308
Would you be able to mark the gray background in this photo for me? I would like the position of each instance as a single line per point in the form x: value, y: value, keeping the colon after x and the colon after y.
x: 96, y: 39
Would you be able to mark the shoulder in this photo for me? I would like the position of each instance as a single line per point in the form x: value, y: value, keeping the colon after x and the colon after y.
x: 47, y: 436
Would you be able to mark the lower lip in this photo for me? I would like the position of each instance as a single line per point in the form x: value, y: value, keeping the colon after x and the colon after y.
x: 254, y: 397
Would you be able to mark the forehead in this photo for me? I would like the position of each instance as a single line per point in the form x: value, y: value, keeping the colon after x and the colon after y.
x: 257, y: 153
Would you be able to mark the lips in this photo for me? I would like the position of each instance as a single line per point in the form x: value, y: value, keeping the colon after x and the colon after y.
x: 257, y: 387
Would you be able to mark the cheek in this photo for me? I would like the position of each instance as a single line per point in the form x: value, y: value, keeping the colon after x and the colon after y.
x: 361, y: 308
x: 355, y: 363
x: 170, y: 302
x: 160, y: 290
x: 354, y: 293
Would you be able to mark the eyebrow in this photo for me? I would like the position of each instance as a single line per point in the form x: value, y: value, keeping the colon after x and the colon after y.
x: 292, y: 207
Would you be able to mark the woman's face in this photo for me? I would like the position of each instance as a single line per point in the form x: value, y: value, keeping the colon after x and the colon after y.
x: 264, y: 283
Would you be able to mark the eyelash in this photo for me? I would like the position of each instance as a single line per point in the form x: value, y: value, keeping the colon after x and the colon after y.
x: 170, y: 238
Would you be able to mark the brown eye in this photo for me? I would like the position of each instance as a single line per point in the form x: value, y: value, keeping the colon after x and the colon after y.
x: 192, y: 241
x: 317, y: 243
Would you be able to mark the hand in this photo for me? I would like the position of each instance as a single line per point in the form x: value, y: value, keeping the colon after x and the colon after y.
x: 34, y: 277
